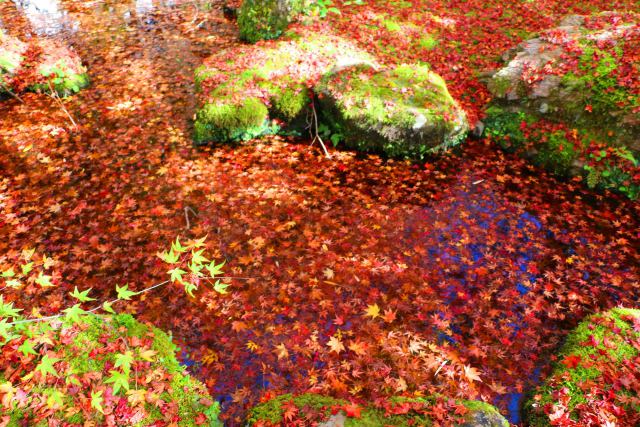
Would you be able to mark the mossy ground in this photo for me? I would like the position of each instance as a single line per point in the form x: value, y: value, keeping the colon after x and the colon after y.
x: 596, y: 355
x: 87, y: 355
x: 316, y: 408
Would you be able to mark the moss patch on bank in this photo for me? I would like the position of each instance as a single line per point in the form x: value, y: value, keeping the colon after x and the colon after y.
x: 96, y: 368
x: 576, y: 87
x: 396, y: 411
x: 595, y: 376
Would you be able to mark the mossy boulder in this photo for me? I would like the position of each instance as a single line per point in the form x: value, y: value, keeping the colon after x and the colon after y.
x: 40, y: 65
x: 98, y: 370
x: 595, y: 379
x: 581, y: 78
x: 402, y: 112
x: 397, y: 411
x: 266, y: 19
x: 263, y: 89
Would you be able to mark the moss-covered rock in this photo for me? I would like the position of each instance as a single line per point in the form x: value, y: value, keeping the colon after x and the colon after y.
x: 596, y: 376
x: 243, y: 91
x: 402, y: 112
x: 40, y: 65
x: 266, y: 19
x: 583, y: 76
x: 397, y: 411
x: 98, y: 370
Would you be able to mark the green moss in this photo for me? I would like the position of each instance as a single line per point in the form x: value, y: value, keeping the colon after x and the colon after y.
x: 581, y: 359
x: 499, y: 86
x: 392, y: 25
x: 556, y: 154
x: 266, y: 19
x: 62, y: 81
x: 428, y: 42
x: 231, y: 122
x: 183, y: 390
x: 272, y: 411
x: 290, y: 102
x: 404, y: 112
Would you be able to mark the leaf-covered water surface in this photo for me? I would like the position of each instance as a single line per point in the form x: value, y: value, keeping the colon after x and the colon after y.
x: 357, y: 277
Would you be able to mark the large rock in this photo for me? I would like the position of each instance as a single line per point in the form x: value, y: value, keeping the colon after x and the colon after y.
x: 329, y: 412
x: 401, y: 112
x: 266, y: 19
x: 40, y: 65
x: 570, y: 99
x: 596, y: 378
x: 242, y: 91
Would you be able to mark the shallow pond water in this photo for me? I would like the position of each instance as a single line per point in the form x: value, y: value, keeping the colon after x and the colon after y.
x: 476, y: 258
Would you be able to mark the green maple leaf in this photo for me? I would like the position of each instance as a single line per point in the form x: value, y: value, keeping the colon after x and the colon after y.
x: 46, y: 366
x: 27, y: 348
x: 214, y: 269
x: 13, y: 283
x: 74, y: 313
x: 197, y: 258
x: 26, y: 268
x: 170, y: 257
x: 124, y: 292
x: 189, y: 288
x: 196, y: 269
x: 7, y: 310
x: 177, y: 246
x: 199, y: 242
x: 220, y: 287
x: 124, y: 361
x: 81, y: 296
x: 119, y: 380
x: 106, y: 306
x: 176, y: 275
x: 55, y: 397
x: 8, y: 273
x: 96, y: 401
x: 44, y: 281
x: 5, y: 331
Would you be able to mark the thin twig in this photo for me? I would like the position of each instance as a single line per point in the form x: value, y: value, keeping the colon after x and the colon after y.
x: 10, y: 92
x: 186, y: 215
x: 317, y: 134
x: 54, y: 95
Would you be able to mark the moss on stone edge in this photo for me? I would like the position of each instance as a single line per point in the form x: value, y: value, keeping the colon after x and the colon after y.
x: 225, y: 122
x: 266, y: 19
x: 183, y: 390
x: 272, y: 411
x: 585, y: 359
x: 403, y: 112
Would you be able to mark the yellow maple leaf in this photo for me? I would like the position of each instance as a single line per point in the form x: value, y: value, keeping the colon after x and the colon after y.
x: 251, y: 346
x: 148, y: 355
x: 136, y: 397
x: 472, y: 373
x: 335, y: 344
x: 281, y: 351
x: 373, y: 311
